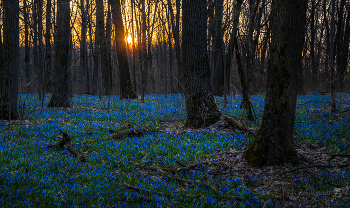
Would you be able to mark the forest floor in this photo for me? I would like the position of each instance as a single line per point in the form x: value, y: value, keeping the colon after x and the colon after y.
x: 140, y: 155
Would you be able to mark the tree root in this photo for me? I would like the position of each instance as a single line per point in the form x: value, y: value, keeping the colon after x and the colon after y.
x: 65, y: 142
x: 226, y: 121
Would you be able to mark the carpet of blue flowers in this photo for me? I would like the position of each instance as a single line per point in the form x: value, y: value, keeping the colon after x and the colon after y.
x: 32, y: 175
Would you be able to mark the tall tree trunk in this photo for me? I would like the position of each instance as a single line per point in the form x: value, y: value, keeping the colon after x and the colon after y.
x: 170, y: 31
x: 312, y: 45
x: 273, y: 144
x: 101, y: 40
x: 26, y: 44
x: 175, y: 25
x: 326, y: 25
x: 9, y: 70
x: 218, y: 70
x: 41, y: 86
x: 343, y: 33
x: 200, y: 105
x: 109, y: 48
x: 332, y: 78
x: 35, y: 44
x: 127, y: 90
x: 133, y: 47
x: 250, y: 56
x: 83, y: 48
x: 60, y: 96
x: 48, y: 53
x: 144, y: 69
x: 242, y: 75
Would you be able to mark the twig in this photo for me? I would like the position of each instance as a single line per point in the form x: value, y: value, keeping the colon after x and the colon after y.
x: 338, y: 155
x: 317, y: 166
x: 165, y: 171
x: 311, y: 174
x: 306, y: 159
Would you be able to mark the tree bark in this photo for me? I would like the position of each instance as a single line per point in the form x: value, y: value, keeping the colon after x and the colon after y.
x: 41, y: 87
x: 200, y: 105
x: 102, y: 43
x: 273, y: 143
x: 9, y: 70
x: 60, y: 96
x: 144, y: 69
x: 218, y: 70
x: 26, y: 45
x: 48, y: 53
x: 242, y: 75
x: 127, y: 90
x: 83, y: 48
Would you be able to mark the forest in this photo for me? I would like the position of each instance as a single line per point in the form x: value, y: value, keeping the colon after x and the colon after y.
x: 174, y: 103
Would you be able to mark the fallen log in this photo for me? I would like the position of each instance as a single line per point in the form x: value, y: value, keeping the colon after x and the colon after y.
x: 120, y: 135
x: 65, y: 142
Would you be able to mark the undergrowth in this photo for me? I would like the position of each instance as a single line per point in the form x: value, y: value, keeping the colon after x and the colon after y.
x: 33, y: 175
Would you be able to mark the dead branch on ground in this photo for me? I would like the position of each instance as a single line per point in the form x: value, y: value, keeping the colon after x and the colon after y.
x: 65, y: 142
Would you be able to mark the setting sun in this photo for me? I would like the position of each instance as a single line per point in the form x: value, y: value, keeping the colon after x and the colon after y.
x: 129, y: 40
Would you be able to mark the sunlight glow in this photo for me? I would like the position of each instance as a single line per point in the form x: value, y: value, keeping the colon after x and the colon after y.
x: 129, y: 40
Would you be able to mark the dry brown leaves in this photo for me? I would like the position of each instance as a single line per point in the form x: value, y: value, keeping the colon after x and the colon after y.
x: 300, y: 188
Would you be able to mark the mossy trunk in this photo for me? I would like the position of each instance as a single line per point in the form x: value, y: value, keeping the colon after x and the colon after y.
x: 273, y: 144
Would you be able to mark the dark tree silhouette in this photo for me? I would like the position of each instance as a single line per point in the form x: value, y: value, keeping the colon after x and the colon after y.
x: 10, y: 64
x: 60, y: 96
x: 200, y: 105
x: 273, y: 143
x: 218, y: 69
x: 127, y: 90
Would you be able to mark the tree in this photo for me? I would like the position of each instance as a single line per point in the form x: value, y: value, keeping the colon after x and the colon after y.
x: 83, y: 47
x: 60, y: 96
x: 242, y: 74
x: 127, y: 90
x: 9, y: 70
x: 273, y: 143
x: 200, y: 105
x: 102, y: 45
x: 48, y: 56
x: 26, y: 43
x: 218, y: 70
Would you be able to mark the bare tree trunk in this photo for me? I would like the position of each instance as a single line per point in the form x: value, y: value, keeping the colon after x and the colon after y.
x: 332, y: 79
x: 218, y: 70
x: 48, y: 53
x: 170, y: 31
x: 312, y: 45
x: 200, y: 105
x: 35, y: 45
x: 273, y: 143
x: 342, y: 42
x: 9, y: 70
x: 144, y: 70
x: 26, y: 44
x: 60, y: 96
x: 242, y: 76
x: 92, y: 70
x: 127, y: 91
x: 133, y: 46
x: 41, y: 86
x: 175, y: 25
x: 102, y: 43
x: 83, y: 48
